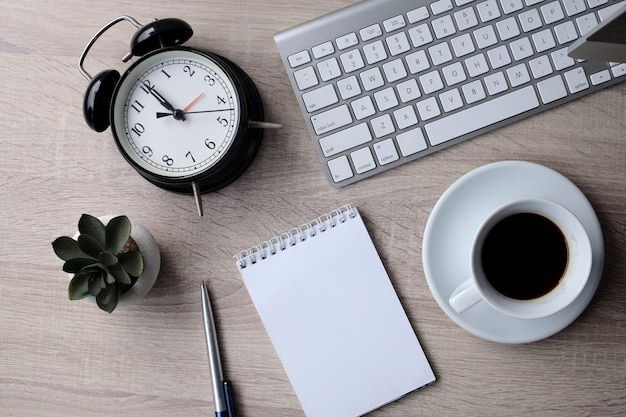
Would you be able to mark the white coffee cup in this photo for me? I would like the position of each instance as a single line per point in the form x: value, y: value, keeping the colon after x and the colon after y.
x: 568, y: 284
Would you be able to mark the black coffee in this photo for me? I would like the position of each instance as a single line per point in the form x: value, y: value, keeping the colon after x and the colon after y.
x: 524, y: 256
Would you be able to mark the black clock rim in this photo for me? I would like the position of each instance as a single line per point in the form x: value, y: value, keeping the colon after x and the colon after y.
x: 247, y: 140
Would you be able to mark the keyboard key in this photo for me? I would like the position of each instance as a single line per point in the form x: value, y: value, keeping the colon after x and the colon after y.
x: 576, y: 80
x: 417, y: 62
x: 394, y: 23
x: 441, y: 6
x: 372, y: 79
x: 352, y: 61
x: 543, y: 40
x: 305, y: 78
x: 431, y: 82
x: 340, y: 169
x: 551, y: 89
x: 552, y: 12
x: 573, y: 7
x: 586, y: 23
x: 540, y: 67
x: 466, y: 19
x: 476, y: 65
x: 521, y: 49
x: 454, y: 73
x: 561, y: 60
x: 347, y: 41
x: 496, y: 83
x: 301, y: 58
x: 473, y: 92
x: 417, y: 15
x: 600, y: 77
x: 565, y: 32
x: 420, y: 35
x: 386, y: 152
x: 329, y: 69
x: 530, y: 20
x: 408, y: 90
x: 488, y: 10
x: 375, y: 52
x: 385, y: 99
x: 411, y: 142
x: 443, y: 27
x: 398, y: 44
x: 345, y: 139
x: 499, y: 57
x: 348, y: 87
x: 382, y: 126
x: 325, y: 49
x: 405, y: 117
x: 619, y: 70
x: 440, y: 53
x: 318, y: 99
x: 463, y: 45
x: 370, y: 32
x: 394, y: 70
x: 518, y: 75
x: 451, y: 100
x: 363, y: 107
x: 485, y: 37
x: 507, y: 28
x: 363, y: 160
x: 331, y: 120
x: 510, y: 6
x: 428, y: 108
x: 481, y: 115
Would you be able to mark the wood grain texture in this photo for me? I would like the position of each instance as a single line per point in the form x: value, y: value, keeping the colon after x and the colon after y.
x: 68, y: 359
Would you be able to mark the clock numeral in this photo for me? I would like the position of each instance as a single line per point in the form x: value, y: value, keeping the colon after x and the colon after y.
x: 222, y: 121
x: 147, y: 151
x: 210, y: 80
x: 147, y: 86
x: 138, y: 129
x: 190, y: 155
x: 209, y: 144
x: 166, y: 74
x: 221, y: 101
x: 137, y: 106
x: 189, y: 70
x: 169, y: 161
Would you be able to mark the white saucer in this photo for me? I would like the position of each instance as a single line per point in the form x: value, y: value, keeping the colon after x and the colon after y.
x: 454, y: 221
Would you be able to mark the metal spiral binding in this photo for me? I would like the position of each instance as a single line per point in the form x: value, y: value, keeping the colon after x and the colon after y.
x: 298, y: 234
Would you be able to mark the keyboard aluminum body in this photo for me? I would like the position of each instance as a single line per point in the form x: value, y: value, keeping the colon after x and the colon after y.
x: 384, y: 82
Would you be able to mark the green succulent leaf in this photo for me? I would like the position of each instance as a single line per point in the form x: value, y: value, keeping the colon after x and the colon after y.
x: 75, y: 265
x: 132, y: 262
x: 90, y: 245
x: 67, y: 248
x: 92, y: 226
x: 117, y: 234
x: 79, y: 287
x: 110, y: 279
x: 107, y: 258
x: 96, y: 284
x: 120, y: 274
x: 108, y: 298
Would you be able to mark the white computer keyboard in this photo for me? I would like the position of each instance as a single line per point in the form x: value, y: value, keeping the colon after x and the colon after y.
x: 384, y: 82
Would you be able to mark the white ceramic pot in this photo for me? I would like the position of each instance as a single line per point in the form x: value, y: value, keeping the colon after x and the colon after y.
x: 151, y: 260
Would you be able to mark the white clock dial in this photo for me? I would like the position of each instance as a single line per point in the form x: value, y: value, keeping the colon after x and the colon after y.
x: 176, y: 113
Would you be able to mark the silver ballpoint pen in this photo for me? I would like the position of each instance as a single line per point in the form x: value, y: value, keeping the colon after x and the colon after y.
x: 222, y: 395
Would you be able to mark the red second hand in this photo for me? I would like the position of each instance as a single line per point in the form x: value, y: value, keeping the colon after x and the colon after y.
x: 192, y: 102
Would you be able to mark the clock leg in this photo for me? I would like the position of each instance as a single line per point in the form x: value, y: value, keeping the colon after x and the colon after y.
x: 198, y: 197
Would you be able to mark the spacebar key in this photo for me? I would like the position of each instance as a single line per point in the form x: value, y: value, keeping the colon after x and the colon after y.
x: 485, y: 114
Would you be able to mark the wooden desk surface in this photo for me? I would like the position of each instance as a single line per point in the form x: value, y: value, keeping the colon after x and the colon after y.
x: 62, y: 358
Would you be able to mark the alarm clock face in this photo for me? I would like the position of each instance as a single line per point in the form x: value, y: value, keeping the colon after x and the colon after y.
x: 175, y: 113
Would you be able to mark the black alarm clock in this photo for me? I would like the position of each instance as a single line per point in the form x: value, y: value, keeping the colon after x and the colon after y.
x: 188, y: 121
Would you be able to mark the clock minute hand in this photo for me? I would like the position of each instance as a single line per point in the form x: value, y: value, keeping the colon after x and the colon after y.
x: 159, y: 114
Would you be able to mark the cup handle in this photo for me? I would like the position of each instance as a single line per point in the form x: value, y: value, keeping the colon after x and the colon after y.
x: 465, y: 296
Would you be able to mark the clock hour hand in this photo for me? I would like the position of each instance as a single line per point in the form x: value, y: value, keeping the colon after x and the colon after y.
x: 178, y: 114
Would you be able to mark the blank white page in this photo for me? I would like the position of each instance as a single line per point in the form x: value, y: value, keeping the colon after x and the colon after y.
x: 335, y: 320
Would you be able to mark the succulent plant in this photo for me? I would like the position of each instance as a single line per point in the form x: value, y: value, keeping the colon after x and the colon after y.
x: 105, y: 260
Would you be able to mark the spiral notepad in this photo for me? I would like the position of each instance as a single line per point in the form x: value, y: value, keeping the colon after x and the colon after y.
x: 333, y: 316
